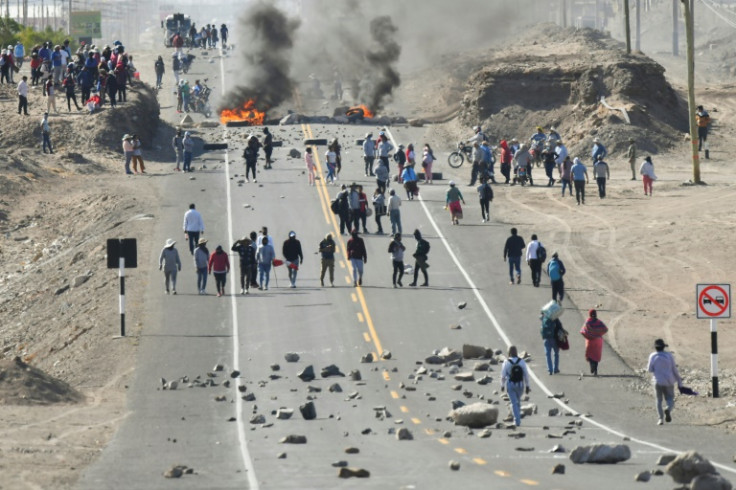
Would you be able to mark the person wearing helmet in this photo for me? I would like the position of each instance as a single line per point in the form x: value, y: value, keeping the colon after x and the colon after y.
x: 478, y: 137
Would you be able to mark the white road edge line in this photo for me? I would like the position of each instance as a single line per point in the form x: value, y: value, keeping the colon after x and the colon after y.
x: 244, y: 453
x: 508, y: 342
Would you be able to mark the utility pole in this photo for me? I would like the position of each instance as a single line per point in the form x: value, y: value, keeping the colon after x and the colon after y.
x: 638, y: 25
x: 627, y: 26
x: 691, y: 89
x: 675, y: 42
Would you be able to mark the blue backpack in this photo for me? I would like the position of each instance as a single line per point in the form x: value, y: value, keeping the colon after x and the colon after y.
x: 554, y: 270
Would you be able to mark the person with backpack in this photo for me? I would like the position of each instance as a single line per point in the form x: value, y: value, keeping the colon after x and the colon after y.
x: 702, y: 119
x: 536, y: 254
x: 593, y: 331
x: 549, y: 333
x: 485, y: 194
x: 515, y: 380
x: 420, y: 259
x: 556, y: 270
x: 396, y: 249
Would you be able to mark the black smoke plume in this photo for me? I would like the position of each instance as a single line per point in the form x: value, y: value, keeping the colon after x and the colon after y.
x: 266, y: 40
x: 382, y: 60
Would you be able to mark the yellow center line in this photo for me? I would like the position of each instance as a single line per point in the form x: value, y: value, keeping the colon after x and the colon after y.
x: 394, y: 395
x: 386, y: 376
x: 366, y: 337
x: 360, y: 317
x: 354, y: 297
x: 342, y: 264
x: 416, y: 421
x: 533, y: 483
x: 505, y: 474
x: 322, y: 187
x: 443, y: 441
x: 480, y: 461
x: 460, y: 450
x: 429, y: 432
x: 404, y: 409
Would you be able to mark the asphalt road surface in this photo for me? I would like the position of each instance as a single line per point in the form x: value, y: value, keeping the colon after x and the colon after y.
x: 187, y: 334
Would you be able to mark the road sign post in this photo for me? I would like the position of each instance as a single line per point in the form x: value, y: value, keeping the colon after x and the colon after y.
x: 713, y: 302
x: 122, y: 252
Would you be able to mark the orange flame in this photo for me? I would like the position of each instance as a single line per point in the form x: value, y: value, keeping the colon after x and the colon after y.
x: 247, y: 113
x: 366, y: 112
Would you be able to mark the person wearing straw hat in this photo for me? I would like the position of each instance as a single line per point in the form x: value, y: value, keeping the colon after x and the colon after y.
x: 128, y: 150
x: 169, y: 262
x: 664, y: 376
x: 201, y: 261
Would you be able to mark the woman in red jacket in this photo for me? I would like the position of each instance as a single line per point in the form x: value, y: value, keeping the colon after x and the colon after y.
x: 593, y: 331
x: 219, y: 265
x: 506, y: 157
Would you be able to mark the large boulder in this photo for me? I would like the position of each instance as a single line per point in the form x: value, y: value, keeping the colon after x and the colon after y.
x: 710, y: 481
x: 601, y: 454
x: 475, y: 352
x: 686, y: 466
x: 476, y: 415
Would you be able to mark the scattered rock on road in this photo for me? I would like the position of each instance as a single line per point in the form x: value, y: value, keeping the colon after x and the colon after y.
x: 462, y: 305
x: 308, y: 411
x: 284, y: 413
x: 331, y: 370
x: 666, y: 459
x: 291, y: 357
x: 601, y: 453
x: 476, y: 415
x: 710, y: 481
x: 454, y: 465
x: 686, y: 466
x: 355, y: 375
x: 368, y: 358
x: 644, y: 476
x: 293, y: 439
x: 352, y: 450
x: 558, y: 469
x: 404, y: 434
x: 346, y: 472
x: 307, y: 374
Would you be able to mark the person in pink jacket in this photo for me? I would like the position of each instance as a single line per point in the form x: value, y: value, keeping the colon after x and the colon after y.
x: 593, y: 330
x: 219, y: 265
x: 309, y: 161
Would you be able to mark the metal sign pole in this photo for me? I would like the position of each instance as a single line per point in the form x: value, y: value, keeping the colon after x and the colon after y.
x: 714, y: 355
x: 122, y: 296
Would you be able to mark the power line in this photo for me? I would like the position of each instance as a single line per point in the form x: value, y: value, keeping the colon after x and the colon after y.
x: 718, y: 13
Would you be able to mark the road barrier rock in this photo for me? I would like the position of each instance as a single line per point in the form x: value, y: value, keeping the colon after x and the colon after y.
x: 601, y: 454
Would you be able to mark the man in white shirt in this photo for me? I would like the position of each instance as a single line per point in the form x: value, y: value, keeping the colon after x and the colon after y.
x: 532, y: 259
x: 394, y: 212
x: 23, y: 95
x: 193, y: 226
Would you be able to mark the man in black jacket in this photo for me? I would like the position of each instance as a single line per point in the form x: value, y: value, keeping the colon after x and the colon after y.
x: 247, y: 259
x: 512, y: 250
x: 267, y: 146
x: 292, y: 252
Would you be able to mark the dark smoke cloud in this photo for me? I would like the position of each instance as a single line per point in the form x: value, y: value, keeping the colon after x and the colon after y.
x: 382, y: 60
x: 267, y: 39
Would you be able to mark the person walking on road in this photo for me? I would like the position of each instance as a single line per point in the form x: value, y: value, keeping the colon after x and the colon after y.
x: 309, y: 161
x: 177, y: 143
x: 193, y: 226
x: 565, y: 170
x: 267, y: 147
x: 420, y: 259
x: 358, y: 257
x: 219, y: 266
x: 379, y: 208
x: 247, y: 256
x: 394, y: 212
x: 343, y: 209
x: 549, y: 331
x: 579, y: 174
x: 331, y: 162
x: 485, y: 196
x: 46, y: 133
x: 427, y: 161
x: 512, y: 251
x: 265, y: 256
x: 631, y: 155
x: 702, y: 118
x: 397, y: 249
x: 250, y: 154
x: 647, y: 174
x: 601, y: 172
x: 128, y: 151
x: 201, y: 262
x: 168, y: 261
x: 515, y: 380
x: 369, y: 154
x: 292, y: 252
x: 593, y: 331
x: 327, y: 250
x: 381, y: 173
x: 188, y: 145
x: 452, y: 202
x: 534, y: 261
x: 664, y: 376
x: 556, y: 271
x: 599, y: 151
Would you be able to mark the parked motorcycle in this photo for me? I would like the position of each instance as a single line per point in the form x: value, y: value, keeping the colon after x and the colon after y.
x: 202, y: 101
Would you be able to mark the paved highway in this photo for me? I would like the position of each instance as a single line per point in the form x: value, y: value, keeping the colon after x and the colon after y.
x: 188, y: 334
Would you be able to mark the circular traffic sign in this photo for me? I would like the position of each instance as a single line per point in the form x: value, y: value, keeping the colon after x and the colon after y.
x: 713, y: 301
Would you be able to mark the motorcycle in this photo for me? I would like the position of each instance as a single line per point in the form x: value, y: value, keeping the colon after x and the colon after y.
x: 457, y: 157
x: 201, y: 102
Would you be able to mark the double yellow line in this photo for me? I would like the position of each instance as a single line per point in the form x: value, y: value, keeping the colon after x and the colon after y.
x: 325, y: 202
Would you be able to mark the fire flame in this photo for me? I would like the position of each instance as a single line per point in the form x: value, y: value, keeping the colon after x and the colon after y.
x: 247, y: 113
x: 366, y: 112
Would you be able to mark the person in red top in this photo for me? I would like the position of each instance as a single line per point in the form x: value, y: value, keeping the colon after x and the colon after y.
x: 506, y: 157
x: 358, y: 256
x: 363, y: 210
x: 35, y: 68
x: 593, y: 331
x: 219, y: 265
